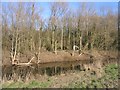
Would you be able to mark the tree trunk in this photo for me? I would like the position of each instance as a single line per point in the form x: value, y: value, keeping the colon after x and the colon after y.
x: 69, y: 38
x: 80, y: 43
x: 56, y: 47
x: 53, y: 39
x: 14, y: 50
x: 62, y: 39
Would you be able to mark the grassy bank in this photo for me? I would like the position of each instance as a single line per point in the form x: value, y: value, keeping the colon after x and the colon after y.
x: 109, y: 80
x: 31, y: 84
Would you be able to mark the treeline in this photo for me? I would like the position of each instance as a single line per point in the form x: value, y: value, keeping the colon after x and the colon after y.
x: 25, y: 29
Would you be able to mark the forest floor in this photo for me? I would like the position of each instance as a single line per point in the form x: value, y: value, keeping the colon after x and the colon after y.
x: 46, y: 56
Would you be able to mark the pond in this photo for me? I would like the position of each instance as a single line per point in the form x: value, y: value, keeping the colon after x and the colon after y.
x: 14, y: 72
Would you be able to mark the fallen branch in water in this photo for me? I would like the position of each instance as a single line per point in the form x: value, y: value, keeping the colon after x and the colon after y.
x: 25, y: 64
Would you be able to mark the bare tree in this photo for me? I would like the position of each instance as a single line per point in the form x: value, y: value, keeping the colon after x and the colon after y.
x: 25, y: 30
x: 15, y: 30
x: 57, y: 12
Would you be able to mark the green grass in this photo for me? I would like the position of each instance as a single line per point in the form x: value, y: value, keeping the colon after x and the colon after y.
x: 109, y: 80
x: 32, y: 84
x: 112, y: 71
x: 13, y: 85
x: 36, y: 84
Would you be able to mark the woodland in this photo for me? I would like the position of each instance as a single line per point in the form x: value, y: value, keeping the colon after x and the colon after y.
x: 31, y: 40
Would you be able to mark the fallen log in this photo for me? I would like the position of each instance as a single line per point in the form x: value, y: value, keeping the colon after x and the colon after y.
x: 25, y: 64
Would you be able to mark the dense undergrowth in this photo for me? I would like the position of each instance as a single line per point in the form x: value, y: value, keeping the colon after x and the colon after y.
x: 108, y: 80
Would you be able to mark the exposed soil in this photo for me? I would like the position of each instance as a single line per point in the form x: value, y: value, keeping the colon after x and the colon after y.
x: 60, y: 56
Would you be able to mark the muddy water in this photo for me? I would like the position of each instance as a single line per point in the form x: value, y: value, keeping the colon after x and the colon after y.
x: 12, y: 72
